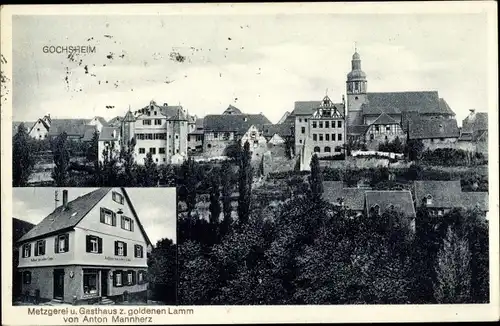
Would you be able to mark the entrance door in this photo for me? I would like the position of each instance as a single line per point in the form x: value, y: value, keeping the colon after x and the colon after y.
x: 59, y: 284
x: 104, y: 282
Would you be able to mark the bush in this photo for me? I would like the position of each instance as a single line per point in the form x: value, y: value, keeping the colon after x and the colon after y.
x: 395, y: 146
x: 453, y: 157
x: 339, y: 157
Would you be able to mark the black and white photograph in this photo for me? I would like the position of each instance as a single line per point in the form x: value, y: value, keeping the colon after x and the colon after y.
x: 334, y: 155
x: 104, y: 246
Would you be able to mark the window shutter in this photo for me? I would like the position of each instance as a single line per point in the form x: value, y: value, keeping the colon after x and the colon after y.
x: 141, y: 251
x: 122, y: 222
x: 116, y: 248
x: 56, y: 245
x: 66, y: 242
x: 134, y: 278
x: 138, y: 277
x: 43, y: 247
x: 29, y: 251
x: 132, y: 225
x: 99, y: 245
x: 114, y: 278
x: 113, y: 218
x: 124, y: 277
x: 103, y: 220
x: 88, y: 245
x: 124, y: 249
x: 36, y: 248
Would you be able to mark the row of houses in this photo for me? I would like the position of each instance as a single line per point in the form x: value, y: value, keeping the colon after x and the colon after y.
x: 438, y: 196
x: 322, y: 127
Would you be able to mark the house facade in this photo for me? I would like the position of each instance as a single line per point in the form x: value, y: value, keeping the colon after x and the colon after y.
x: 383, y: 129
x: 88, y: 249
x: 39, y: 130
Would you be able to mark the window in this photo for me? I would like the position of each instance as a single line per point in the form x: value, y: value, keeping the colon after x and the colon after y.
x: 327, y: 137
x: 117, y: 197
x: 127, y: 223
x: 377, y: 129
x: 216, y: 135
x: 320, y: 137
x: 386, y: 138
x: 138, y: 253
x: 152, y: 150
x: 27, y: 250
x: 161, y: 150
x: 117, y: 278
x: 441, y: 139
x: 108, y: 217
x: 140, y: 277
x: 154, y: 112
x: 61, y: 243
x: 300, y: 120
x: 339, y: 138
x: 176, y: 136
x: 321, y: 124
x: 89, y: 282
x: 372, y: 136
x: 149, y: 136
x: 339, y: 124
x: 142, y: 150
x: 333, y: 137
x: 305, y: 120
x: 27, y: 277
x: 146, y: 122
x: 327, y: 124
x: 428, y: 200
x: 388, y: 128
x: 317, y: 149
x: 315, y: 137
x: 338, y: 149
x: 300, y: 141
x: 303, y: 130
x: 40, y: 248
x: 120, y: 248
x: 93, y: 244
x: 130, y: 278
x: 327, y: 149
x: 157, y: 122
x: 37, y: 129
x: 314, y: 124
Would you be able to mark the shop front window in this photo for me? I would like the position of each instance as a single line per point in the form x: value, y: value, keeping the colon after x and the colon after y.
x: 89, y: 283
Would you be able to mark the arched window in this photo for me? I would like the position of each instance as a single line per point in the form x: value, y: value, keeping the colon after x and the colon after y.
x: 327, y: 149
x: 317, y: 149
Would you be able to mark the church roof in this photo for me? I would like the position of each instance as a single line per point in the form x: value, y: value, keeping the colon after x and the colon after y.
x: 384, y: 119
x: 429, y: 128
x: 424, y: 102
x: 238, y: 123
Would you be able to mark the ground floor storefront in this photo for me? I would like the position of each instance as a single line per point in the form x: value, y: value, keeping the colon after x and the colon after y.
x: 79, y: 284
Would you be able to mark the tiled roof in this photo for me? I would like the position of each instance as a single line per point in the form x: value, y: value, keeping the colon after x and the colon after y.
x: 472, y: 200
x: 115, y: 122
x: 445, y: 194
x: 170, y: 111
x: 356, y: 129
x: 353, y: 197
x: 101, y: 120
x: 384, y: 119
x: 106, y: 134
x: 232, y: 110
x: 238, y: 123
x: 475, y: 122
x: 284, y: 117
x: 34, y: 124
x: 400, y: 199
x: 199, y: 123
x: 62, y: 218
x: 179, y: 115
x: 305, y: 107
x: 89, y: 133
x: 429, y: 128
x: 424, y: 102
x: 72, y: 127
x: 283, y: 130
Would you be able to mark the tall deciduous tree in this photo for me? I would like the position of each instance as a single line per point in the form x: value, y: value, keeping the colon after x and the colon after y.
x: 150, y: 174
x: 453, y: 278
x: 61, y: 160
x: 188, y: 183
x: 414, y: 149
x: 316, y: 179
x: 22, y: 157
x: 214, y: 207
x: 226, y: 173
x: 245, y: 184
x: 129, y: 165
x: 162, y: 271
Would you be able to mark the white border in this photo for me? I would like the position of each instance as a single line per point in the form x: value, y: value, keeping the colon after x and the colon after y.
x: 267, y: 314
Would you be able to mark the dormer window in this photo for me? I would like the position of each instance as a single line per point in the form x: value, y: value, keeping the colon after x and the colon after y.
x: 428, y: 200
x: 117, y: 197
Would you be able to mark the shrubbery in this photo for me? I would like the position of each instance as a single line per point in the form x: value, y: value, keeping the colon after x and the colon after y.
x: 453, y: 157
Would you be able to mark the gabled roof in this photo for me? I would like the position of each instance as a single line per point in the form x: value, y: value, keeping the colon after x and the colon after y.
x: 401, y: 200
x: 115, y: 122
x: 89, y: 133
x: 170, y: 111
x: 179, y: 115
x: 101, y: 120
x: 62, y: 218
x: 232, y: 110
x: 384, y: 119
x: 476, y: 121
x: 282, y: 130
x: 353, y: 197
x: 67, y: 218
x: 424, y: 102
x: 238, y: 123
x: 445, y: 194
x: 471, y: 200
x: 106, y: 133
x: 305, y: 107
x: 356, y: 129
x: 284, y: 117
x: 42, y: 122
x: 433, y: 128
x: 72, y: 127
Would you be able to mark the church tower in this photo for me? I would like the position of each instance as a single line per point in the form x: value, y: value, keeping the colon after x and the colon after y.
x: 128, y: 128
x: 356, y: 91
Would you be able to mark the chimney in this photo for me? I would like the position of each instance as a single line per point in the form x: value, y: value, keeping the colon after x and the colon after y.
x: 65, y: 198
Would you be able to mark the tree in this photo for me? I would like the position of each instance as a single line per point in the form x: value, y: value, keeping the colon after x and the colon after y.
x: 188, y: 182
x: 162, y: 271
x: 226, y: 173
x: 414, y: 149
x: 22, y: 157
x: 149, y: 172
x: 245, y: 184
x: 108, y: 168
x: 316, y: 179
x: 453, y: 278
x: 214, y: 207
x: 129, y: 165
x: 92, y: 154
x: 61, y: 160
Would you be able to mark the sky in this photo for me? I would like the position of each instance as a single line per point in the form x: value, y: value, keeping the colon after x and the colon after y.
x: 156, y: 207
x: 258, y: 63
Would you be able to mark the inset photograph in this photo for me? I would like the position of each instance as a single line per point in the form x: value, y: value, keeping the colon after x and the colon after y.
x: 101, y: 246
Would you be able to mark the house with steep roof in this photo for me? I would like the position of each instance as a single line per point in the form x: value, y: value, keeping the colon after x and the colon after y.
x: 438, y: 196
x: 222, y: 130
x: 435, y: 133
x: 277, y: 134
x: 98, y: 122
x: 383, y: 129
x: 39, y: 130
x: 109, y: 142
x: 89, y: 249
x: 195, y: 136
x: 474, y: 132
x: 352, y: 199
x: 74, y: 128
